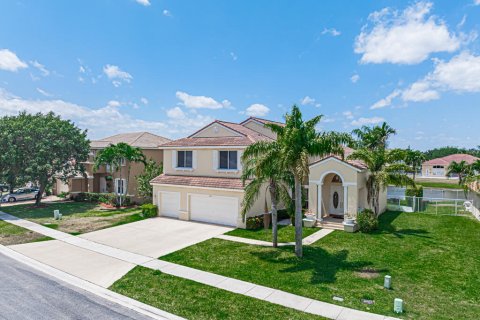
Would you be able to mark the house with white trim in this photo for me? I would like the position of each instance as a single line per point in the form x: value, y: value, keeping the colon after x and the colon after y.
x: 201, y: 179
x: 438, y: 167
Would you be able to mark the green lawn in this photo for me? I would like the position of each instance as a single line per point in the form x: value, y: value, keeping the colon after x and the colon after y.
x: 194, y: 300
x: 433, y: 260
x: 78, y: 217
x: 440, y: 185
x: 285, y: 233
x: 11, y: 234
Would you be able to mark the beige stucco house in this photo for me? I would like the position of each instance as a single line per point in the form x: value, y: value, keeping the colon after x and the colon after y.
x: 106, y: 179
x: 201, y: 179
x: 438, y: 167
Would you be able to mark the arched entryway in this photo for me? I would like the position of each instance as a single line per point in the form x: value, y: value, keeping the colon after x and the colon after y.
x: 332, y: 196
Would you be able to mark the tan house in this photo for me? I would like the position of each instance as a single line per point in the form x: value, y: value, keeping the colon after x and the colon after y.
x: 201, y: 179
x: 438, y: 168
x: 106, y: 179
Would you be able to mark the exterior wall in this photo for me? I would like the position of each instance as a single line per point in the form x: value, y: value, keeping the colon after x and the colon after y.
x: 429, y: 171
x: 216, y: 130
x: 255, y: 126
x: 184, y: 191
x: 203, y: 163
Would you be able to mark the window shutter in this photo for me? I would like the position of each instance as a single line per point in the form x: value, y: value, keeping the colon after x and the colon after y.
x: 215, y: 159
x: 116, y: 186
x: 194, y: 159
x: 239, y: 160
x: 174, y: 159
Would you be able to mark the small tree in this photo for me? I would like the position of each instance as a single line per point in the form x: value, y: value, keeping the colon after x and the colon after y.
x: 152, y: 170
x: 414, y: 159
x: 465, y: 173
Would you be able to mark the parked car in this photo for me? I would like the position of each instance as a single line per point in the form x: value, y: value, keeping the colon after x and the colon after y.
x: 21, y: 194
x: 4, y: 188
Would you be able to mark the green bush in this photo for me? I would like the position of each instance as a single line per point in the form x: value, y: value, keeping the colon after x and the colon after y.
x: 367, y: 221
x: 414, y: 192
x: 149, y: 210
x: 63, y: 195
x: 282, y: 214
x: 107, y: 198
x: 255, y: 222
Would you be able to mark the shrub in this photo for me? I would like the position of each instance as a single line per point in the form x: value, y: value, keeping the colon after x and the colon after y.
x: 255, y: 222
x: 149, y: 210
x: 282, y: 214
x: 367, y: 221
x: 414, y: 192
x: 63, y: 195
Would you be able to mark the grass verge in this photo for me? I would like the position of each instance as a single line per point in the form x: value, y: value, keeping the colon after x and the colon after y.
x: 11, y: 234
x: 285, y: 233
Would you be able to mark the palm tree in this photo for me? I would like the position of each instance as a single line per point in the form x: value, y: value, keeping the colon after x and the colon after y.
x: 116, y: 154
x: 262, y: 168
x: 373, y: 137
x: 414, y: 158
x: 464, y: 172
x: 297, y: 141
x: 385, y: 167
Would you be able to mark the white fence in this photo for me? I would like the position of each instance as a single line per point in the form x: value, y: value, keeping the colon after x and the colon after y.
x: 431, y: 205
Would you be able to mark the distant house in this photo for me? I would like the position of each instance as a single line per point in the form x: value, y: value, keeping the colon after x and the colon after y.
x: 437, y: 168
x: 106, y: 179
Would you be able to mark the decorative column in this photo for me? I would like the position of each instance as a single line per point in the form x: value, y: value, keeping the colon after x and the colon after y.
x: 319, y: 202
x: 345, y: 202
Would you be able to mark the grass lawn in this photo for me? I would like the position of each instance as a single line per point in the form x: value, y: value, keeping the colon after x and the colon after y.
x: 441, y: 185
x: 78, y: 217
x: 433, y: 261
x: 11, y: 234
x: 194, y: 300
x: 285, y: 233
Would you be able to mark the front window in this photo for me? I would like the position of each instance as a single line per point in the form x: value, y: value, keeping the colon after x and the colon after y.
x: 120, y: 186
x: 184, y: 159
x: 228, y: 160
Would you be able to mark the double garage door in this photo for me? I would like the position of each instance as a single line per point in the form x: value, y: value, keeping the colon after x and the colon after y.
x: 204, y: 208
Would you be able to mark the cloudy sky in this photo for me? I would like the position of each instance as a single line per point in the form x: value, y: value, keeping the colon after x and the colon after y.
x: 170, y: 67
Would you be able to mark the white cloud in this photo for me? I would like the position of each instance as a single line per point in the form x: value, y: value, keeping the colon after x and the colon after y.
x: 476, y: 2
x: 166, y: 13
x: 145, y: 3
x: 10, y: 62
x: 331, y: 31
x: 355, y: 78
x: 367, y: 121
x: 176, y: 113
x: 348, y: 114
x: 114, y: 103
x: 257, y: 110
x: 117, y: 75
x: 420, y: 91
x: 307, y: 100
x: 408, y: 37
x: 44, y: 93
x: 44, y: 71
x: 144, y: 100
x: 100, y: 122
x: 199, y: 102
x: 386, y: 101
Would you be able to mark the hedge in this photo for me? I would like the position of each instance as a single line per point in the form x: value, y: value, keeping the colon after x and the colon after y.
x: 149, y: 210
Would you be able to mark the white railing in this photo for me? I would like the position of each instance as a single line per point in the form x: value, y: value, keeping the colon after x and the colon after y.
x: 440, y: 206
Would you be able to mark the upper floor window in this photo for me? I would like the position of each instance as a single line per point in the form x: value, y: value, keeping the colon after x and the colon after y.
x: 123, y: 162
x: 184, y: 159
x: 228, y: 160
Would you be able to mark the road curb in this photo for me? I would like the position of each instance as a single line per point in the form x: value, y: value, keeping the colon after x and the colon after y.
x: 104, y: 293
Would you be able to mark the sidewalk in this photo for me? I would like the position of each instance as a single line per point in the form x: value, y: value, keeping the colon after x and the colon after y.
x: 279, y: 297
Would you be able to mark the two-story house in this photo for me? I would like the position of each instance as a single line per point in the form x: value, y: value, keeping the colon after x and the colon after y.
x: 110, y: 180
x: 201, y: 179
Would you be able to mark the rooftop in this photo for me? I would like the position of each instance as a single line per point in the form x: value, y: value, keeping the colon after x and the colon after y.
x: 145, y: 140
x: 453, y: 157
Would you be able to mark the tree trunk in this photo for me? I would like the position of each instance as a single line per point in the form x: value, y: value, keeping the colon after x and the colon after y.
x: 121, y: 189
x: 298, y: 217
x: 273, y: 197
x: 40, y: 192
x: 414, y: 172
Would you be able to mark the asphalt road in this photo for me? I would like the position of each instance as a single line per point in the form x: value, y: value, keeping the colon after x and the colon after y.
x: 26, y: 293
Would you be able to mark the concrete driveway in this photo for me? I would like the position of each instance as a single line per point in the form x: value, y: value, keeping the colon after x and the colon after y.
x: 156, y: 237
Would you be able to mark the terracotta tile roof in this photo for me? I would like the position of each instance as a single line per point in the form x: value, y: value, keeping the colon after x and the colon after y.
x: 264, y: 121
x: 445, y: 161
x: 245, y: 137
x: 196, y: 181
x: 346, y: 151
x: 135, y: 139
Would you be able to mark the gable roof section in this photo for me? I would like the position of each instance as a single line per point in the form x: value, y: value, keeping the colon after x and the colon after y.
x: 445, y: 161
x: 241, y: 136
x: 144, y: 140
x: 262, y: 121
x: 355, y: 164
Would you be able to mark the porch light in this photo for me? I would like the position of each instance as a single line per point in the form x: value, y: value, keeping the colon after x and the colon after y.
x: 387, y: 282
x: 398, y: 305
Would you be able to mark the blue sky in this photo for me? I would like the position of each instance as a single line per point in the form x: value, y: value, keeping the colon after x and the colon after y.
x: 170, y: 67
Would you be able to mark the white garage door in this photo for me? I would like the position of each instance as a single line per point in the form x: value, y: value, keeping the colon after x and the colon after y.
x: 218, y: 210
x: 169, y: 204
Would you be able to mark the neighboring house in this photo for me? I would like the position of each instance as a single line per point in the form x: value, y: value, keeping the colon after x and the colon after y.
x: 107, y: 179
x: 438, y: 168
x: 201, y: 179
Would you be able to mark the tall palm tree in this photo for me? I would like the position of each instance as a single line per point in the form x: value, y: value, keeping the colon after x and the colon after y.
x: 373, y: 137
x: 262, y: 169
x: 297, y: 141
x: 414, y: 158
x: 116, y: 154
x: 385, y: 167
x: 464, y: 172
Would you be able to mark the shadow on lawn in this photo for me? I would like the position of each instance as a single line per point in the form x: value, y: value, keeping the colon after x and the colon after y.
x: 386, y: 226
x: 324, y: 265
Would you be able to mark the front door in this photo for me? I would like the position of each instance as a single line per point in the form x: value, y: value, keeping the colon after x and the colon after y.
x: 103, y: 185
x: 336, y: 200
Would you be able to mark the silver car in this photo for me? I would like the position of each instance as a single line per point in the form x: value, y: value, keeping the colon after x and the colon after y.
x: 21, y: 194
